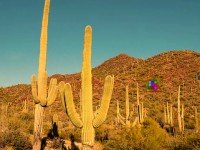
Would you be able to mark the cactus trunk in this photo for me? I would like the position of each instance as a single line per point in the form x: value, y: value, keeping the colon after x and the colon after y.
x: 179, y: 111
x: 165, y: 115
x: 38, y: 123
x: 138, y: 104
x: 168, y: 116
x: 171, y: 115
x: 86, y: 96
x: 182, y: 118
x: 127, y: 108
x: 39, y: 110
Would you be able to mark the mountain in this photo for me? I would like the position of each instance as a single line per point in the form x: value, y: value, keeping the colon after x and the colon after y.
x: 171, y: 69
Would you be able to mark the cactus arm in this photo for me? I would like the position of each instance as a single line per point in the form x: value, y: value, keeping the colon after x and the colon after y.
x: 132, y: 112
x: 122, y: 122
x: 135, y: 122
x: 121, y: 117
x: 52, y: 93
x: 71, y: 111
x: 34, y: 89
x: 107, y: 93
x: 62, y: 94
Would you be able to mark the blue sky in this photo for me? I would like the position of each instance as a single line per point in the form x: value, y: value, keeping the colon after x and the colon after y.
x: 140, y: 28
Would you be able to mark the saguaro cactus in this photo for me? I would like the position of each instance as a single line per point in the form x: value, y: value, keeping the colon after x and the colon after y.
x: 179, y: 112
x: 171, y: 115
x: 88, y: 121
x: 168, y: 114
x: 41, y: 97
x: 126, y: 121
x: 182, y: 118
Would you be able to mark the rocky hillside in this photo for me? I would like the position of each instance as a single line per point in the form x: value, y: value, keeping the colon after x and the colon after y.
x: 171, y: 68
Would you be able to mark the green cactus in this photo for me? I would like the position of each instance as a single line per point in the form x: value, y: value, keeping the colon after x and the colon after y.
x: 41, y: 97
x: 87, y: 121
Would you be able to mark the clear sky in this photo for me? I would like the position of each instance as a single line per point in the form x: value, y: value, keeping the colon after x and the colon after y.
x: 140, y: 28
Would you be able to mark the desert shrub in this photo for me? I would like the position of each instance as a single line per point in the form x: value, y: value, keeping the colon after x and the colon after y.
x: 25, y: 116
x: 187, y: 141
x: 15, y: 139
x: 125, y: 139
x: 14, y: 123
x: 67, y: 131
x: 102, y: 133
x: 149, y: 136
x: 154, y: 136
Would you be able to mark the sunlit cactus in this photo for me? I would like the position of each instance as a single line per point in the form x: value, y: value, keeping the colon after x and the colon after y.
x: 180, y: 113
x: 182, y: 117
x: 25, y: 109
x: 171, y: 116
x: 126, y: 120
x: 168, y: 114
x: 41, y: 96
x: 88, y: 120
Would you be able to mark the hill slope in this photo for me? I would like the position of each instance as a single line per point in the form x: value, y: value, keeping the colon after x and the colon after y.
x: 171, y: 68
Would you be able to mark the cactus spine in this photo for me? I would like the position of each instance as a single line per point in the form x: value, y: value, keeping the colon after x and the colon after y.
x: 39, y: 88
x: 88, y: 121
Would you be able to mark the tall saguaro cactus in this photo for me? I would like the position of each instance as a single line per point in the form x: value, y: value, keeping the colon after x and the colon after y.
x: 41, y: 97
x: 88, y: 120
x: 180, y: 113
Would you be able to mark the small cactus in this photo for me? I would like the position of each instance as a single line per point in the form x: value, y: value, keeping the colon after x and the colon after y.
x: 180, y: 113
x: 126, y: 121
